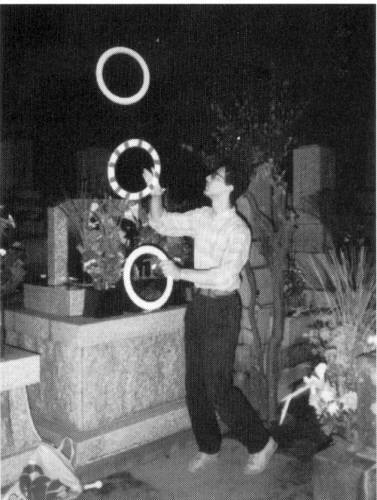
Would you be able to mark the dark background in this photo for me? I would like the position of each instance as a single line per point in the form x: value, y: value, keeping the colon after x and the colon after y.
x: 195, y: 53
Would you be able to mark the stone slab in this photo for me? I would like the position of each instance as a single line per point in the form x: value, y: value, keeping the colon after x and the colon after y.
x: 90, y: 331
x: 18, y: 368
x: 337, y: 473
x: 59, y: 300
x: 123, y: 435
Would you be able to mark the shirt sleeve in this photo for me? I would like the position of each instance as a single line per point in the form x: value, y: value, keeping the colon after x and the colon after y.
x: 175, y: 224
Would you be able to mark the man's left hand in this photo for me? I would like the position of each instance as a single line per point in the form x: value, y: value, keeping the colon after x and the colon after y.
x: 169, y: 269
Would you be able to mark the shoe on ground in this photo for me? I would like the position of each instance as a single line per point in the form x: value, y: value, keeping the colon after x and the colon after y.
x: 257, y: 462
x: 201, y: 460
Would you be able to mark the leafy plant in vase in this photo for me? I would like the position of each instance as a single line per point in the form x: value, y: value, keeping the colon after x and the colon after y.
x: 340, y: 334
x: 12, y: 268
x: 96, y: 223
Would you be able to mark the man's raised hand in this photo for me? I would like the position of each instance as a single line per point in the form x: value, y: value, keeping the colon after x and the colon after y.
x: 156, y: 189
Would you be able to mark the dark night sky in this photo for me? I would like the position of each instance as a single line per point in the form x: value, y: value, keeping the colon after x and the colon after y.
x: 194, y: 53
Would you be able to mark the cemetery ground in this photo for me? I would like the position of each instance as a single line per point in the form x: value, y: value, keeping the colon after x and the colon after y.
x: 158, y: 471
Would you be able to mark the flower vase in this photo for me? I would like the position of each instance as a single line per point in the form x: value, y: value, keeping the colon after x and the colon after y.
x: 103, y: 303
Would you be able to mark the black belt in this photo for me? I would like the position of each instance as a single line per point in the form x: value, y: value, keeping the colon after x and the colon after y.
x: 214, y: 294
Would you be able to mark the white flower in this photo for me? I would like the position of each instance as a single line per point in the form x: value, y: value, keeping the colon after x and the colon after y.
x: 349, y: 400
x: 320, y: 370
x: 333, y: 408
x: 89, y: 263
x: 328, y: 393
x: 372, y: 339
x: 94, y: 206
x: 325, y: 334
x: 3, y: 252
x: 315, y: 402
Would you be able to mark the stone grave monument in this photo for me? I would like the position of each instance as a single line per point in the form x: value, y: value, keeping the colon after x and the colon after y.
x: 58, y: 297
x: 313, y: 171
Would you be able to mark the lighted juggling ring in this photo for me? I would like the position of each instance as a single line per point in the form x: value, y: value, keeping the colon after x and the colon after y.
x: 115, y: 98
x: 133, y: 143
x: 148, y: 305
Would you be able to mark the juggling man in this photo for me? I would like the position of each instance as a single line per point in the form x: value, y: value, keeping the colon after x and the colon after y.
x: 212, y: 321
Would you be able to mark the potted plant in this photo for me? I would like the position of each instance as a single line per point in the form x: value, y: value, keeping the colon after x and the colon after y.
x: 12, y: 268
x: 339, y: 335
x: 102, y: 243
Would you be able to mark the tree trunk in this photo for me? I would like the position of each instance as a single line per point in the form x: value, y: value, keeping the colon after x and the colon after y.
x: 272, y: 362
x: 251, y: 312
x: 257, y: 375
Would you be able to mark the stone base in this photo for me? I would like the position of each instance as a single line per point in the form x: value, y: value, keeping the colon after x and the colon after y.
x: 337, y: 473
x: 58, y: 300
x: 19, y: 439
x: 129, y: 433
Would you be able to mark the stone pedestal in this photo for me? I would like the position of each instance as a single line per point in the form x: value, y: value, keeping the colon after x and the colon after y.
x: 112, y: 384
x: 59, y: 300
x: 313, y: 172
x: 337, y: 473
x: 57, y: 247
x: 18, y: 369
x: 314, y: 169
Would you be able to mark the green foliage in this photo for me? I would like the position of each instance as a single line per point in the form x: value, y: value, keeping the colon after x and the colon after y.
x: 341, y: 334
x: 258, y: 126
x: 349, y: 285
x: 12, y: 258
x: 96, y: 223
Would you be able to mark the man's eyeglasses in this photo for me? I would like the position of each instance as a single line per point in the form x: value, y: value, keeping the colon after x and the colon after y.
x: 216, y: 174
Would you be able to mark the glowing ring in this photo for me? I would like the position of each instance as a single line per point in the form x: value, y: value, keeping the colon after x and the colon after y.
x: 145, y: 304
x: 115, y: 98
x: 133, y: 143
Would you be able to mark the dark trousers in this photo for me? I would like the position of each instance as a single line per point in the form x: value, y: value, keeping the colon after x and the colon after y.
x: 212, y: 328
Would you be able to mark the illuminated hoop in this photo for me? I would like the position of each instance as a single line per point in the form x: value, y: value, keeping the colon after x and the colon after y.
x: 146, y: 76
x: 133, y: 143
x: 136, y: 299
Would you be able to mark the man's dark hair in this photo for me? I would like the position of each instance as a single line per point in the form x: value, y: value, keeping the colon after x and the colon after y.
x: 237, y: 178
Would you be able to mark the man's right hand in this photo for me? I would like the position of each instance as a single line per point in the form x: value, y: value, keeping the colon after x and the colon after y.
x: 156, y: 189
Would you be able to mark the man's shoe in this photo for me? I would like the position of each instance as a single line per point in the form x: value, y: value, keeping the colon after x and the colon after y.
x: 201, y: 460
x: 257, y: 462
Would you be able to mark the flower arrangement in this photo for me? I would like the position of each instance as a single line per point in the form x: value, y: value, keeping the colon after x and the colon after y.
x: 102, y: 243
x: 12, y: 259
x: 339, y: 334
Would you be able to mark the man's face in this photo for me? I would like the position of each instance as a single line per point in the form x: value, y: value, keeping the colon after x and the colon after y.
x: 215, y: 184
